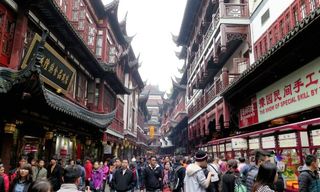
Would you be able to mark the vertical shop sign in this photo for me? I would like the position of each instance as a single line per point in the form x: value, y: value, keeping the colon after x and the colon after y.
x: 249, y: 114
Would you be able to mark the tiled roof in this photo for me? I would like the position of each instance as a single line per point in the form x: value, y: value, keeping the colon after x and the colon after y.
x: 11, y: 78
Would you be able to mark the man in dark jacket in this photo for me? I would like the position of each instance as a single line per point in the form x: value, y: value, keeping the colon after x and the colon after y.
x: 152, y: 176
x: 309, y: 177
x: 180, y: 173
x: 123, y: 179
x: 54, y: 174
x: 229, y: 178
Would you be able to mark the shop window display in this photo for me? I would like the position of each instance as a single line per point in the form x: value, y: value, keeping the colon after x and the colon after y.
x: 288, y: 163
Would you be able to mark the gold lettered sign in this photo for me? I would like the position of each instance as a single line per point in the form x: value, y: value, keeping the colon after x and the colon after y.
x: 55, y: 70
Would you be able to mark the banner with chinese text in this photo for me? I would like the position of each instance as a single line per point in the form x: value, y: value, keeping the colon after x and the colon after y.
x: 294, y: 93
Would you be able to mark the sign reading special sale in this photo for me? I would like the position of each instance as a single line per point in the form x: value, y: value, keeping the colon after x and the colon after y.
x: 294, y: 93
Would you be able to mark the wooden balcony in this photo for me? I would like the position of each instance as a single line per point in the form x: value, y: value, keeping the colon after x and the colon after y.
x: 286, y: 22
x: 211, y: 93
x: 233, y: 10
x: 209, y: 46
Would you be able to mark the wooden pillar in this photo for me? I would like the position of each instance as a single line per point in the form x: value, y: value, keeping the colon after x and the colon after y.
x: 226, y: 114
x: 18, y: 41
x: 217, y: 117
x: 7, y: 144
x: 225, y: 77
x: 223, y: 38
x: 101, y: 96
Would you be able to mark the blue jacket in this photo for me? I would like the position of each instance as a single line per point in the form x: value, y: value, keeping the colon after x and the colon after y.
x: 308, y: 180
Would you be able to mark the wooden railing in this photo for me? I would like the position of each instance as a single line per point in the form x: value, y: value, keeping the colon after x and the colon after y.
x: 209, y: 94
x: 226, y: 10
x: 117, y: 125
x: 232, y: 10
x: 294, y: 14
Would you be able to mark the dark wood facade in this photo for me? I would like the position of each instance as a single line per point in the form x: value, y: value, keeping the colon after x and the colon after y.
x: 86, y: 37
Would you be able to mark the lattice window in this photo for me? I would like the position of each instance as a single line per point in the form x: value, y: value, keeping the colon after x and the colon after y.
x: 7, y: 26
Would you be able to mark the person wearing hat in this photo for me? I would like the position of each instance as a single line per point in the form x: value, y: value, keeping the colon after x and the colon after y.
x: 195, y: 179
x: 54, y: 174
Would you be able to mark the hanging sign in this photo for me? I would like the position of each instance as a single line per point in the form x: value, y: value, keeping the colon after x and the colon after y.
x: 288, y: 140
x: 55, y: 70
x: 239, y: 143
x: 268, y: 142
x: 315, y: 137
x: 254, y: 143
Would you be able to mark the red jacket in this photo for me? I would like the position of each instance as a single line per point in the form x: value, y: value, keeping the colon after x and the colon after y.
x: 6, y: 182
x: 88, y: 168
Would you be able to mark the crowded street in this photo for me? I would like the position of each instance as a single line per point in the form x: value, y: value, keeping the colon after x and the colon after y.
x: 159, y: 96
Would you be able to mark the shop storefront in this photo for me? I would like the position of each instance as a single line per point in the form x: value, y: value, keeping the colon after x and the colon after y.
x: 38, y: 122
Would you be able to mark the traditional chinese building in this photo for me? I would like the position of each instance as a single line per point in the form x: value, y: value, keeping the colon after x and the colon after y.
x: 143, y: 118
x: 274, y: 105
x: 151, y: 127
x: 62, y: 94
x: 175, y: 119
x: 215, y: 37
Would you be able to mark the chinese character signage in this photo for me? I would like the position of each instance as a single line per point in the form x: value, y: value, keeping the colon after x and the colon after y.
x: 288, y: 140
x: 55, y: 70
x: 294, y: 93
x: 249, y: 114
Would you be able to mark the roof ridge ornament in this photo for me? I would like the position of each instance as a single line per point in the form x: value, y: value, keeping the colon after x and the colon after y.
x: 174, y: 38
x: 112, y: 6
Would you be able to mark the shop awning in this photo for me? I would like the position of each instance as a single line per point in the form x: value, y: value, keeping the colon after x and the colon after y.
x: 300, y: 126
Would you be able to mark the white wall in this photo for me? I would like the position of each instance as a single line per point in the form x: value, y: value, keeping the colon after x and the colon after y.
x: 276, y: 8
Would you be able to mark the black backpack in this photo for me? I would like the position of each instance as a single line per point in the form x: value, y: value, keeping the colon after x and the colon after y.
x: 175, y: 178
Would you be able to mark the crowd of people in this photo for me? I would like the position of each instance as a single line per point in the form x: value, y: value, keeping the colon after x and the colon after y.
x: 200, y: 173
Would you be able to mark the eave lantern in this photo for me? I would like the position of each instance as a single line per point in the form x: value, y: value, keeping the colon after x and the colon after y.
x: 10, y: 128
x: 88, y: 141
x: 48, y: 135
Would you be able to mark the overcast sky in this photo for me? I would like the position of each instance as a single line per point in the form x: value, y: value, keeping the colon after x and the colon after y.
x: 153, y: 21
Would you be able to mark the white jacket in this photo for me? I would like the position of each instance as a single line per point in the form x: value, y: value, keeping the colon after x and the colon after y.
x: 195, y: 180
x: 68, y: 187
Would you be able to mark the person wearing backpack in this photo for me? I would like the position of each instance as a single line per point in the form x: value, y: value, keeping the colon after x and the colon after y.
x: 179, y: 172
x: 260, y: 158
x: 214, y: 167
x: 230, y: 179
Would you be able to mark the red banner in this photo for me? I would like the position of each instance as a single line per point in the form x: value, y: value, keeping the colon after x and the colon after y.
x: 249, y: 114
